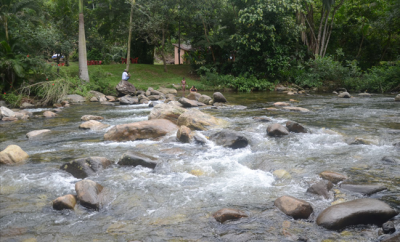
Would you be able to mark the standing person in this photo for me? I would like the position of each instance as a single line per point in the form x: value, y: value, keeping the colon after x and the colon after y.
x: 126, y: 75
x: 183, y: 83
x: 193, y: 89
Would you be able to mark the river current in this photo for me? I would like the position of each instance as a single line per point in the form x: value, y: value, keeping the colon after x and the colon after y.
x: 176, y: 200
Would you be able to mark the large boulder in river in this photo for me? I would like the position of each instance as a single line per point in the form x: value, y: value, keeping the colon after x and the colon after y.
x: 229, y: 139
x: 277, y: 130
x: 193, y: 96
x: 321, y: 188
x: 64, y: 202
x: 197, y: 120
x: 363, y: 189
x: 37, y: 133
x: 74, y: 98
x: 93, y: 125
x: 359, y: 211
x: 397, y: 98
x: 138, y: 159
x: 332, y: 176
x: 294, y: 207
x: 13, y: 155
x: 184, y: 134
x: 128, y: 100
x: 228, y: 214
x: 88, y: 193
x: 125, y: 88
x: 219, y: 98
x: 149, y: 129
x: 84, y: 167
x: 168, y: 111
x: 295, y: 127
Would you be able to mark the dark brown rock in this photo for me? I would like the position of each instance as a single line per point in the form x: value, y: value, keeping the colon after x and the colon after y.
x: 228, y: 214
x: 219, y: 98
x: 88, y: 193
x: 64, y: 202
x: 137, y: 159
x: 295, y: 127
x: 388, y: 227
x: 229, y: 139
x: 84, y: 167
x: 277, y: 130
x: 321, y: 188
x: 296, y: 208
x: 188, y: 103
x: 125, y: 88
x: 359, y: 211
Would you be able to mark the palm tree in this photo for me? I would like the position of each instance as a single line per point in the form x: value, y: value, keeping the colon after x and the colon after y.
x: 83, y: 70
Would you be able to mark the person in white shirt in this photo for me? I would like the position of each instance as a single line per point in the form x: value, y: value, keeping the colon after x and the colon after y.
x: 125, y: 75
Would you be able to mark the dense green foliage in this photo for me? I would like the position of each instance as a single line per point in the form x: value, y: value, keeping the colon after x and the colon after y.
x: 247, y: 45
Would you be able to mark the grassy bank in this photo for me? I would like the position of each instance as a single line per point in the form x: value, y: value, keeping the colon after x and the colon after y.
x: 144, y: 76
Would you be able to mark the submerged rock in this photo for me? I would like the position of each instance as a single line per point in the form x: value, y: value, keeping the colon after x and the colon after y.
x: 168, y: 111
x: 299, y: 109
x: 393, y: 238
x: 295, y: 127
x: 197, y: 120
x: 84, y: 167
x: 390, y: 159
x: 149, y: 129
x: 296, y: 208
x: 277, y: 130
x: 64, y: 202
x: 334, y: 177
x: 93, y: 125
x: 138, y: 159
x: 281, y: 174
x: 363, y: 189
x: 88, y: 193
x: 230, y: 139
x: 13, y: 155
x: 37, y: 133
x: 321, y: 188
x: 262, y: 119
x: 228, y: 214
x: 359, y: 211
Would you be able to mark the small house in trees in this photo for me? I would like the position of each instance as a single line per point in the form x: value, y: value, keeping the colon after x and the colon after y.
x: 184, y: 48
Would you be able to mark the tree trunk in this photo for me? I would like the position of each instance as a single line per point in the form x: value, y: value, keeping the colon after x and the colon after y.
x: 128, y: 56
x: 162, y: 50
x: 83, y: 70
x: 6, y: 27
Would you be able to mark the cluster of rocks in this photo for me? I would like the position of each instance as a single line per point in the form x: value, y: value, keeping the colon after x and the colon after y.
x: 294, y: 90
x: 7, y: 114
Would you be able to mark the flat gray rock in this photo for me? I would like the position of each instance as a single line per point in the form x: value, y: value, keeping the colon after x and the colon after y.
x: 363, y: 189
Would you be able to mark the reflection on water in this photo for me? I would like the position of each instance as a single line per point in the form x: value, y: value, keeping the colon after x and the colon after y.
x: 175, y: 201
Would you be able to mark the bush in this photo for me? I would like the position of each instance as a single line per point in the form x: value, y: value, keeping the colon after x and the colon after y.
x: 12, y: 98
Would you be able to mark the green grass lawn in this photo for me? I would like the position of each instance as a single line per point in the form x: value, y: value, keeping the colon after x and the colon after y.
x: 144, y: 76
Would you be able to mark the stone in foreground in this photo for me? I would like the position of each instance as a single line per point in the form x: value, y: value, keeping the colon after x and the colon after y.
x: 88, y: 193
x: 228, y: 214
x: 149, y: 129
x: 359, y: 211
x: 363, y: 189
x: 13, y: 155
x: 296, y: 208
x: 64, y: 202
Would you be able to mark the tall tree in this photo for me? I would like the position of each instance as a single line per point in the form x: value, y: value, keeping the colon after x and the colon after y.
x: 128, y: 56
x: 83, y: 70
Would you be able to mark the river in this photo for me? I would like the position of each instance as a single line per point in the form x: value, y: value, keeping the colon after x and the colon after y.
x: 176, y: 200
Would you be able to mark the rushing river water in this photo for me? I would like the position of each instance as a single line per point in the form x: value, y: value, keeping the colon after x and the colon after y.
x: 175, y: 201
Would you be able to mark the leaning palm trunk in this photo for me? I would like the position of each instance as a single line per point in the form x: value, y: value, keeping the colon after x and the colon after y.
x: 83, y: 70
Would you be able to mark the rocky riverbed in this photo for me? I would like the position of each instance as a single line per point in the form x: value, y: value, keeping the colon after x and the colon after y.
x: 161, y: 166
